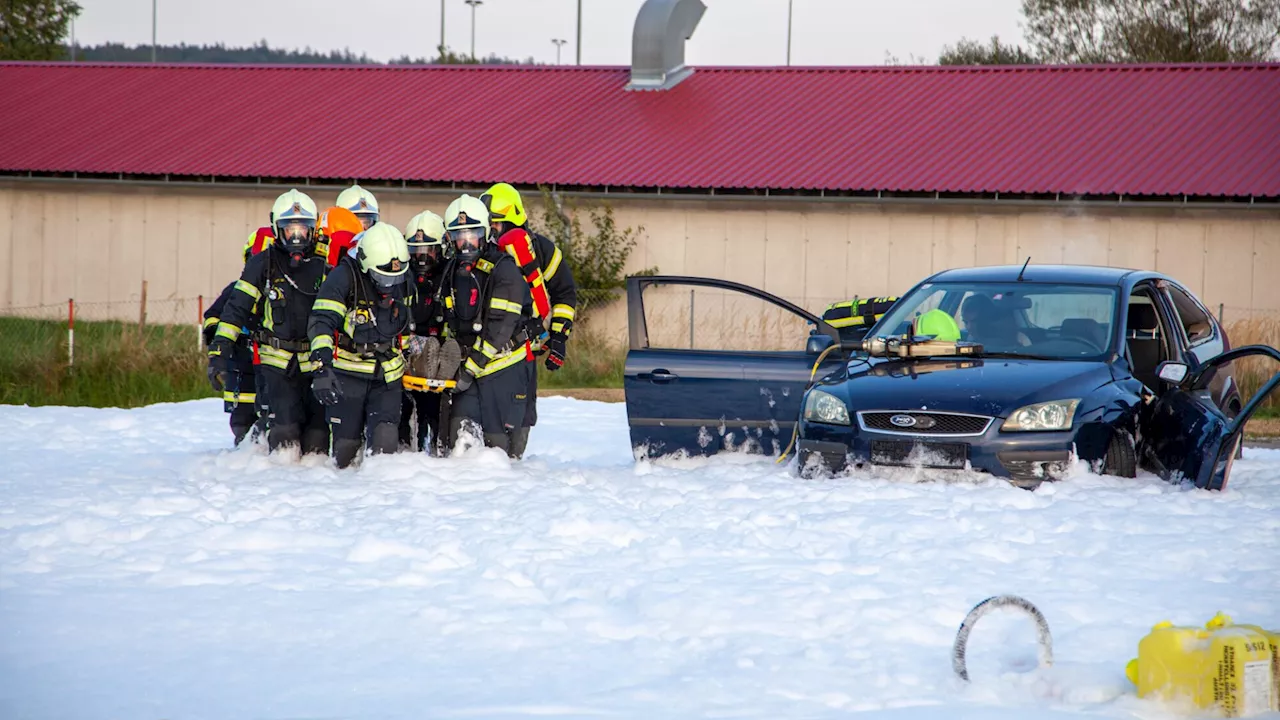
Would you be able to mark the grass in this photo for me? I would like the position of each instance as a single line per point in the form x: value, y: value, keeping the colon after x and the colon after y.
x: 1252, y: 373
x: 592, y: 362
x: 116, y: 364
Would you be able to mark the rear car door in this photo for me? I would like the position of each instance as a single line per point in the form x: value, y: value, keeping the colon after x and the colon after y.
x: 1187, y: 435
x: 714, y: 365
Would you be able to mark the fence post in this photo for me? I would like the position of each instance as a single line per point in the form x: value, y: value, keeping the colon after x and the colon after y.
x: 142, y: 309
x: 199, y: 323
x: 71, y: 332
x: 691, y: 318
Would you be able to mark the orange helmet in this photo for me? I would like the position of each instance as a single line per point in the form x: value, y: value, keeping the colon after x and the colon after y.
x: 339, y: 227
x: 259, y: 240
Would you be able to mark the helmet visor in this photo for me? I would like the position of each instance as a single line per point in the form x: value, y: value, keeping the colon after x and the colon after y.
x: 467, y: 240
x: 295, y: 234
x: 367, y: 219
x: 389, y: 275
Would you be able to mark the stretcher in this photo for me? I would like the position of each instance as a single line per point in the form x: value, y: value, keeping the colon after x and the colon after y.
x: 422, y: 384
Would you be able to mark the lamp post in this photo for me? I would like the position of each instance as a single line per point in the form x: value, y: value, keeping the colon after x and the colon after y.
x: 559, y: 44
x: 153, y: 30
x: 473, y: 4
x: 578, y: 47
x: 442, y: 31
x: 789, y: 4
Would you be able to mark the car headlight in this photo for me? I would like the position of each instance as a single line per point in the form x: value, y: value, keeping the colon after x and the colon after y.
x: 1055, y: 415
x: 825, y: 408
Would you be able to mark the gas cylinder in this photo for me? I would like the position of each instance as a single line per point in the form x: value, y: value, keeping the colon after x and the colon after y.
x: 1222, y: 667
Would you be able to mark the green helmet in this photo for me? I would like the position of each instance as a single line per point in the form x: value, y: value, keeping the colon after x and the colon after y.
x: 938, y: 324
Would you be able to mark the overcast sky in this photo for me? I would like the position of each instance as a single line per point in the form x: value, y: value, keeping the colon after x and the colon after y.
x: 732, y: 32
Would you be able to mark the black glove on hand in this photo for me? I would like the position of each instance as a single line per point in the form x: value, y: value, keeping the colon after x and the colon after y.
x: 463, y: 381
x: 555, y: 351
x: 219, y: 366
x: 324, y: 384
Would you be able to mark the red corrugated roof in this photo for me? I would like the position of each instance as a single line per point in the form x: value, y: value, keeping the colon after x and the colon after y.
x: 1204, y: 130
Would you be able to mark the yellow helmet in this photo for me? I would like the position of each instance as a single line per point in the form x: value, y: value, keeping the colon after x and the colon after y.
x: 504, y: 204
x: 383, y: 255
x: 938, y: 324
x: 361, y: 202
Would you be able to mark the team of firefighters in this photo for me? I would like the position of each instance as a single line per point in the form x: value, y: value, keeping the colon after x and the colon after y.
x: 344, y: 333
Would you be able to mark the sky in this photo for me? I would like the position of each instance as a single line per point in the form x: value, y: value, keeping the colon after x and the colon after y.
x: 732, y: 32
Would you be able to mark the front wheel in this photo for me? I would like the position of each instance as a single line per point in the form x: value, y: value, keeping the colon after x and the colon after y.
x: 1122, y: 456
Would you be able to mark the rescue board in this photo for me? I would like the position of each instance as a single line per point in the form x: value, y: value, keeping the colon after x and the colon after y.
x: 427, y: 385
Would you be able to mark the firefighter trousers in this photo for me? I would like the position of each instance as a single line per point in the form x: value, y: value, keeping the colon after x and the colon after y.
x: 496, y: 406
x: 294, y: 416
x: 369, y: 411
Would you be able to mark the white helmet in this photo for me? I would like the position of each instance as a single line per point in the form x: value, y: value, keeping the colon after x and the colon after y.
x: 361, y: 202
x: 425, y: 236
x: 383, y: 255
x: 467, y: 224
x: 293, y: 218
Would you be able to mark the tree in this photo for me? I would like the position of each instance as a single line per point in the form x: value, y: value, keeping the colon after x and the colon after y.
x: 35, y: 29
x: 972, y: 52
x: 1152, y: 31
x: 259, y: 53
x: 599, y: 256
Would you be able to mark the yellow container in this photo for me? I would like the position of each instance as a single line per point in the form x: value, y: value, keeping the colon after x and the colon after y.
x: 1273, y: 640
x: 1222, y: 667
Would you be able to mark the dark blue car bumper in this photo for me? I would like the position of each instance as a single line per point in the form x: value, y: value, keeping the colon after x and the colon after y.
x: 1026, y: 457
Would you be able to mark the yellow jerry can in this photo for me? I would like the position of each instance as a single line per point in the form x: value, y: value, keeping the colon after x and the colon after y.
x: 1222, y: 667
x: 1273, y: 640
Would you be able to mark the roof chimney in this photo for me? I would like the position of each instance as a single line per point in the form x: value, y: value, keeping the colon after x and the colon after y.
x: 657, y: 45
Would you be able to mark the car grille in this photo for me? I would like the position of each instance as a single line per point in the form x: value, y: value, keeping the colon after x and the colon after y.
x: 932, y: 455
x: 924, y: 423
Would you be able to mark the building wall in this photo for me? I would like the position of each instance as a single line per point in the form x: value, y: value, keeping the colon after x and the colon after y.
x: 99, y: 242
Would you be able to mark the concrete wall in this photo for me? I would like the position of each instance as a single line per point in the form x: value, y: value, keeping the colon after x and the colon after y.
x: 98, y: 242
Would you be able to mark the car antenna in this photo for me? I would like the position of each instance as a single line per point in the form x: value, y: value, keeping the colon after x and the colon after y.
x: 1024, y: 268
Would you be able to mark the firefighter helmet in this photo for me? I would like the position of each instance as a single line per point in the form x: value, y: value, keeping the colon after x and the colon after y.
x: 505, y: 205
x: 383, y: 255
x: 362, y: 203
x: 938, y: 324
x: 467, y: 226
x: 425, y: 235
x: 293, y: 218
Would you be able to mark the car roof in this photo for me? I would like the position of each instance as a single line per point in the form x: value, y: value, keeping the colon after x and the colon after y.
x: 1076, y: 274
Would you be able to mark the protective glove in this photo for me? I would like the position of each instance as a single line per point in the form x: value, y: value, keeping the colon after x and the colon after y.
x: 324, y: 381
x: 416, y: 344
x: 219, y: 366
x: 463, y: 381
x: 556, y: 351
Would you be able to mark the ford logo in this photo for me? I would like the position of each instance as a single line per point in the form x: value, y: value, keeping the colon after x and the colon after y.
x: 904, y: 421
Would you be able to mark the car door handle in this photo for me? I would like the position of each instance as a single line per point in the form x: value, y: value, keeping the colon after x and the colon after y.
x: 659, y: 376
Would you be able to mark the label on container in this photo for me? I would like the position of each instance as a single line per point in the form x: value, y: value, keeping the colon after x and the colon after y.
x: 1256, y: 688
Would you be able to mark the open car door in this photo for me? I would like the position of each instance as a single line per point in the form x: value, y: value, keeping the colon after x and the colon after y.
x: 1186, y: 436
x: 715, y: 365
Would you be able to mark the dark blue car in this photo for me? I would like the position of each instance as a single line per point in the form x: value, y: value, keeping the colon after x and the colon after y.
x: 1007, y: 370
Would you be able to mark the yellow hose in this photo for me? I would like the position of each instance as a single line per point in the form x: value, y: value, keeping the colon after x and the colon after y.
x: 796, y: 431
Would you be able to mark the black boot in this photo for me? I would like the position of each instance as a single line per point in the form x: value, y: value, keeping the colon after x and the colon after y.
x: 519, y: 440
x: 284, y: 436
x: 345, y: 451
x: 383, y: 439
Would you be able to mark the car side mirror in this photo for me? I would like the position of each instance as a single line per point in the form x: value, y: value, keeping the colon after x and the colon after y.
x: 1172, y: 372
x: 818, y: 344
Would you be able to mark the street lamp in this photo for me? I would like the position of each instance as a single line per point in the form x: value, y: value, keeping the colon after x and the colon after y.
x: 473, y: 4
x: 578, y: 48
x: 559, y: 44
x: 153, y: 30
x: 789, y: 4
x: 441, y: 31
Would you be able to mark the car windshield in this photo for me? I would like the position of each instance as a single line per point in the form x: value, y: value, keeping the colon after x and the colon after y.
x: 1056, y: 321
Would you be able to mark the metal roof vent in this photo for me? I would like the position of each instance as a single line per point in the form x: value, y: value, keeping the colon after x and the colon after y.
x: 657, y: 45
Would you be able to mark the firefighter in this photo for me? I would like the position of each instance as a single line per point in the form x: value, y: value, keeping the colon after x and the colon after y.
x: 362, y: 203
x: 853, y: 318
x: 240, y: 394
x: 337, y: 231
x: 487, y: 309
x: 427, y: 255
x: 276, y: 291
x: 363, y: 304
x: 550, y: 279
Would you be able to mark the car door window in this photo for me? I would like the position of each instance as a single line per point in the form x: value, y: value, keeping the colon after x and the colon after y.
x: 685, y: 317
x: 1197, y: 326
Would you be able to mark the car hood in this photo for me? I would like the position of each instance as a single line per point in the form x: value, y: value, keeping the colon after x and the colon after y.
x: 983, y: 387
